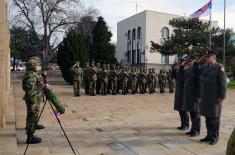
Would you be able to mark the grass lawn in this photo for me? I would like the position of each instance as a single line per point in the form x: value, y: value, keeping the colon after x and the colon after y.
x: 231, y: 84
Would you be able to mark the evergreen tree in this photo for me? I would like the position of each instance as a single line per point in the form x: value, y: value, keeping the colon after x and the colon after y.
x: 102, y: 49
x: 70, y: 50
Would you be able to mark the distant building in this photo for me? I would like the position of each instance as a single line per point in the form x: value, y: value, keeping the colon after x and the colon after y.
x: 134, y: 36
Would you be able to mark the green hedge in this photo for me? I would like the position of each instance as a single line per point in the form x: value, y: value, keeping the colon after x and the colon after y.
x: 231, y: 84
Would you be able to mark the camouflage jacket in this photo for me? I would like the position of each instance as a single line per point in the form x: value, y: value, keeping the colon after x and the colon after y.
x: 31, y: 85
x: 77, y: 73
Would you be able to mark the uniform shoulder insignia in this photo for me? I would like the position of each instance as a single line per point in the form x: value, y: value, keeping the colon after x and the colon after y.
x: 222, y: 69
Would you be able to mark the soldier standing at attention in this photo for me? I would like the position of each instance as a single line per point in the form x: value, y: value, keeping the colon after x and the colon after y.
x: 98, y: 69
x: 213, y: 93
x: 109, y: 82
x: 86, y: 79
x: 161, y: 81
x: 191, y: 96
x: 93, y: 79
x: 134, y: 78
x: 33, y: 85
x: 178, y: 75
x: 170, y: 81
x: 103, y: 80
x: 150, y: 81
x: 155, y: 80
x: 124, y: 80
x: 142, y: 81
x: 113, y: 79
x: 77, y: 73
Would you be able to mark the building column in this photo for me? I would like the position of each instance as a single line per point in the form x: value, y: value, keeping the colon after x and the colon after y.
x: 4, y: 61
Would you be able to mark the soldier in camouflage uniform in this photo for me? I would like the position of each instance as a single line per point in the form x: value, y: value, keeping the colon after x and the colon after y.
x: 150, y: 81
x: 109, y: 82
x: 86, y: 79
x: 124, y: 80
x: 103, y: 80
x: 77, y: 73
x: 134, y: 79
x: 93, y: 79
x: 33, y: 86
x: 161, y: 81
x: 113, y: 79
x: 98, y: 69
x: 118, y: 69
x: 145, y: 73
x: 142, y: 81
x: 155, y: 80
x: 170, y: 81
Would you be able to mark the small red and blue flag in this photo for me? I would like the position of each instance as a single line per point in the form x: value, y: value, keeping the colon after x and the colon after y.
x: 204, y: 11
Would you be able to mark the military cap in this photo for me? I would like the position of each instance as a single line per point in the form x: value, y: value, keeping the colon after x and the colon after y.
x: 77, y: 63
x: 32, y: 63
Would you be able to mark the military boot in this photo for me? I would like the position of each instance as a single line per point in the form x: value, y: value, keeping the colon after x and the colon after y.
x: 31, y: 139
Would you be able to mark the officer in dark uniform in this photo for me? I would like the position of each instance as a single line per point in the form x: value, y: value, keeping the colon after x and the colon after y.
x: 213, y: 92
x: 178, y: 75
x: 191, y: 95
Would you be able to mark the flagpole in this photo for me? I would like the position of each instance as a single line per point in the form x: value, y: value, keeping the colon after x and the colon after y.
x: 210, y: 34
x: 224, y: 32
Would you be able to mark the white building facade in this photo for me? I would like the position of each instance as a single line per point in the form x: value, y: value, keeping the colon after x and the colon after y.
x: 134, y: 36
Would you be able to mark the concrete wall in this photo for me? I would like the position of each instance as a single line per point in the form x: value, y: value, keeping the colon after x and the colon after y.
x: 4, y: 61
x: 123, y: 27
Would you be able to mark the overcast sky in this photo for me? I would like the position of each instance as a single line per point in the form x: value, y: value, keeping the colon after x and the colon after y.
x: 116, y: 10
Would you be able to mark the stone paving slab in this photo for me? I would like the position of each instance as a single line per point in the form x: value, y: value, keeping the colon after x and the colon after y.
x: 118, y: 125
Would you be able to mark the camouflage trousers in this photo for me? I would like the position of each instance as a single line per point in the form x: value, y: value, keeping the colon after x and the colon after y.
x: 92, y: 87
x: 124, y: 85
x: 162, y: 87
x: 133, y: 86
x: 33, y: 110
x: 76, y: 87
x: 104, y: 86
x: 114, y: 86
x: 86, y: 85
x: 171, y: 87
x: 142, y: 85
x: 151, y: 87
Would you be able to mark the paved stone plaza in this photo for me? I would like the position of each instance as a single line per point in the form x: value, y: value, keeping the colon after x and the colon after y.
x: 113, y: 125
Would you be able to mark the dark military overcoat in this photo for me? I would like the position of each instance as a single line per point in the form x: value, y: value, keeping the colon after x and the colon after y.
x: 213, y: 83
x: 191, y: 89
x: 179, y: 89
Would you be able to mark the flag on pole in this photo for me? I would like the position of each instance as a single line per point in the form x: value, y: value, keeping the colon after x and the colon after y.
x: 57, y: 116
x: 204, y: 11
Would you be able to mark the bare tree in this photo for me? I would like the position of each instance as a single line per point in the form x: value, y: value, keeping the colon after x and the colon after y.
x: 47, y: 17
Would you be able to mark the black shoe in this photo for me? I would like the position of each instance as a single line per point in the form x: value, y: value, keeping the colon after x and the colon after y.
x: 182, y: 128
x: 33, y: 140
x: 194, y: 134
x: 213, y: 141
x: 39, y: 127
x: 206, y: 139
x: 189, y: 133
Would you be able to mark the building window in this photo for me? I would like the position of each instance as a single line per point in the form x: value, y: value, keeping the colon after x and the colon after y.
x: 129, y: 35
x: 164, y: 33
x: 139, y: 33
x: 133, y: 34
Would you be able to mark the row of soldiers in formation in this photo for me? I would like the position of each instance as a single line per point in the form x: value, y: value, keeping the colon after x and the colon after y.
x: 110, y: 80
